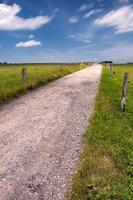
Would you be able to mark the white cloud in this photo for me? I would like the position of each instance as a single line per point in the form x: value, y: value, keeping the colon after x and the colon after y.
x: 41, y: 12
x: 87, y: 15
x: 92, y: 12
x: 86, y: 41
x: 29, y: 43
x: 72, y: 36
x: 84, y: 7
x: 31, y: 36
x: 10, y: 21
x: 56, y: 10
x: 86, y: 53
x: 77, y: 54
x: 114, y: 53
x: 79, y: 38
x: 121, y: 52
x: 121, y: 19
x: 73, y: 19
x: 86, y: 34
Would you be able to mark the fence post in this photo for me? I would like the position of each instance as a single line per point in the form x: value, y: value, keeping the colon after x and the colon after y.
x: 24, y: 74
x: 110, y: 69
x: 124, y: 92
x: 61, y: 68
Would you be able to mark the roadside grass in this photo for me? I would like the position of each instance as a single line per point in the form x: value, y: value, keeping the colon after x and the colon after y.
x: 11, y: 84
x: 106, y: 167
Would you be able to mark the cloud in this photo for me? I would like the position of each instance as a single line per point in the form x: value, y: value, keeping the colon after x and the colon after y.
x: 30, y: 43
x: 31, y: 36
x: 73, y: 19
x: 72, y: 36
x: 121, y: 19
x: 79, y: 53
x: 86, y: 53
x: 117, y: 54
x: 92, y: 12
x: 87, y: 15
x: 79, y: 38
x: 56, y: 10
x: 10, y: 21
x: 84, y: 7
x: 86, y: 41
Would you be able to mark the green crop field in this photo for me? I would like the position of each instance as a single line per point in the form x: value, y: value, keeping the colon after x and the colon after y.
x: 11, y: 84
x: 106, y: 167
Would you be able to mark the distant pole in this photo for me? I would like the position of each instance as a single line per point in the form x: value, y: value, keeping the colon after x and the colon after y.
x: 124, y: 92
x: 61, y: 68
x: 110, y: 69
x: 24, y: 74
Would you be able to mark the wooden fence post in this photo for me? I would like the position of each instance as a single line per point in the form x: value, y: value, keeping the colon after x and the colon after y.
x: 124, y: 92
x: 61, y: 68
x: 110, y: 69
x: 24, y: 74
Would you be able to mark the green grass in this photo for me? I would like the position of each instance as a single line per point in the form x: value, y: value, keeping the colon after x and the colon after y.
x: 11, y: 84
x: 106, y: 167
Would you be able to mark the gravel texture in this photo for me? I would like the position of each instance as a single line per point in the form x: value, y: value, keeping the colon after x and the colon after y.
x: 41, y: 137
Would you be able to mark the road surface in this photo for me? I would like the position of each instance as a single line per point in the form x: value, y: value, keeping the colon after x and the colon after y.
x: 41, y: 136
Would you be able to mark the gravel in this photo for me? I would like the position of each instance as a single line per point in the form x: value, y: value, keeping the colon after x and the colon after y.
x: 41, y: 137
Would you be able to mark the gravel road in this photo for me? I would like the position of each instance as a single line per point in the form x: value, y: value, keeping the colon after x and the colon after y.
x: 41, y: 137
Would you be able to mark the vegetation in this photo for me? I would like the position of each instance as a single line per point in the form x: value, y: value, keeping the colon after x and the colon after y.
x: 11, y: 84
x: 106, y: 167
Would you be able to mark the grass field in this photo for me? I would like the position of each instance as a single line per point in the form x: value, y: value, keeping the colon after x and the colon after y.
x: 11, y: 84
x: 106, y: 167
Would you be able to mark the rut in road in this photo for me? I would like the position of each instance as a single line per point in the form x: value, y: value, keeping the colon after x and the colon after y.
x: 41, y: 137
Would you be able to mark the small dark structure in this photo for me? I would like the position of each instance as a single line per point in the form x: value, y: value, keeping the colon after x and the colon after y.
x: 106, y: 62
x: 109, y: 64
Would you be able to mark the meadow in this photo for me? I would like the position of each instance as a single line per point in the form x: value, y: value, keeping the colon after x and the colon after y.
x: 106, y: 167
x: 12, y: 85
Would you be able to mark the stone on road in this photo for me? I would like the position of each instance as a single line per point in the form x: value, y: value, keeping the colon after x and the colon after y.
x: 41, y: 136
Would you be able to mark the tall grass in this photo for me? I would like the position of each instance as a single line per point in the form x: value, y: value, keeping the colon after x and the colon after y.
x: 11, y: 84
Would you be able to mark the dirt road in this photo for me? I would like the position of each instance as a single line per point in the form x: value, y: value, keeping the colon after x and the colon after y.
x: 41, y: 137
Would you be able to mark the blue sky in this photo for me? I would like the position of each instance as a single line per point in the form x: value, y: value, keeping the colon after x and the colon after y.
x: 66, y: 30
